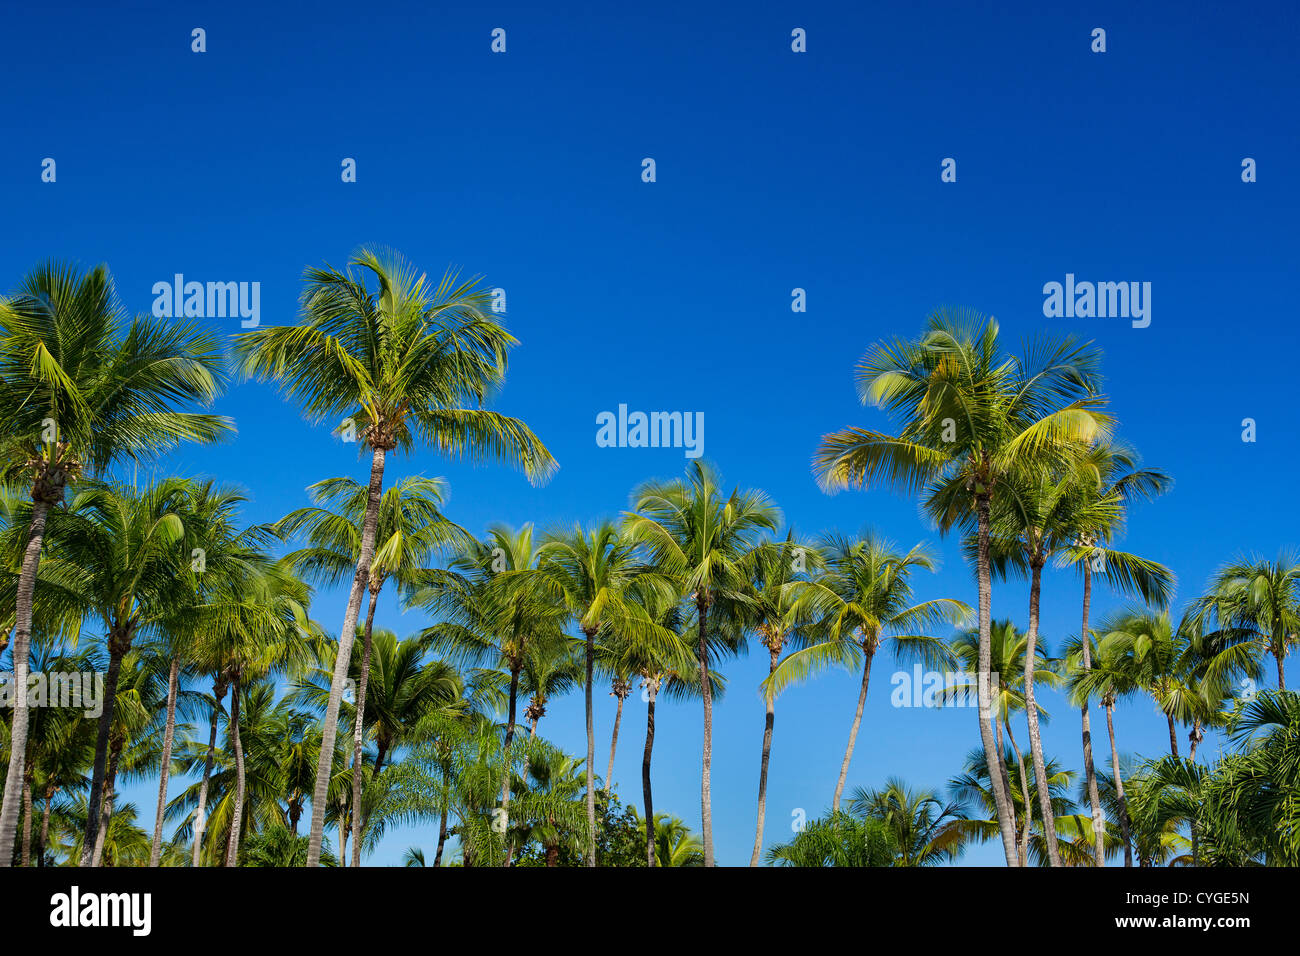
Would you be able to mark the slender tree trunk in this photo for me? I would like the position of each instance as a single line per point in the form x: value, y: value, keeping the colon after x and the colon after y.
x: 46, y: 810
x: 515, y: 666
x: 1195, y: 738
x: 620, y: 694
x: 1090, y: 768
x: 1281, y: 671
x: 106, y: 805
x: 118, y: 644
x: 200, y: 820
x: 22, y: 641
x: 169, y: 736
x: 442, y: 838
x: 591, y: 751
x: 27, y: 822
x: 868, y: 654
x: 237, y: 819
x: 706, y: 763
x: 769, y: 721
x: 1119, y: 785
x: 652, y: 689
x: 359, y: 730
x: 347, y: 636
x: 344, y: 832
x: 1031, y: 713
x: 1173, y: 735
x: 1023, y: 842
x: 1001, y: 799
x: 999, y: 718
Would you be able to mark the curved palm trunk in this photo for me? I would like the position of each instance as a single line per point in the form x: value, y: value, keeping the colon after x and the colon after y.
x: 868, y: 654
x: 652, y: 688
x: 1006, y: 778
x: 118, y: 645
x: 22, y: 642
x: 1023, y: 842
x: 769, y: 722
x: 359, y: 731
x: 1173, y: 734
x: 706, y: 762
x: 1031, y: 714
x: 1001, y: 798
x: 342, y: 662
x: 442, y: 838
x: 591, y: 751
x: 620, y: 694
x: 237, y: 818
x: 169, y: 737
x: 106, y: 805
x: 1119, y: 786
x: 1089, y: 768
x: 200, y: 820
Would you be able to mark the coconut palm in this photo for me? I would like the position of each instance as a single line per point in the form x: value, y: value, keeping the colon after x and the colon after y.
x: 593, y: 572
x: 1257, y: 602
x: 551, y: 669
x: 862, y: 601
x: 392, y: 364
x: 704, y: 539
x: 926, y: 831
x: 410, y: 533
x: 82, y: 385
x: 1110, y: 471
x: 839, y: 839
x: 969, y: 416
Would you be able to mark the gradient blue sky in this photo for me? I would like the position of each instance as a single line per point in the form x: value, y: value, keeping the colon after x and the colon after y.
x: 775, y: 170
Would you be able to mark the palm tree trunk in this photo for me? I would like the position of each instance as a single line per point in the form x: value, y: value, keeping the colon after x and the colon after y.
x: 868, y: 653
x: 613, y: 739
x: 1001, y: 799
x: 1024, y: 796
x: 1031, y: 714
x: 218, y: 694
x: 1195, y: 738
x: 774, y: 653
x: 359, y: 731
x: 515, y: 665
x: 22, y: 641
x: 1006, y: 780
x: 237, y: 818
x: 344, y: 832
x: 652, y: 689
x: 1173, y: 735
x: 1119, y: 785
x: 1089, y: 768
x: 591, y: 751
x: 1279, y: 652
x: 442, y: 839
x: 169, y: 736
x: 46, y: 810
x: 118, y: 645
x: 706, y: 762
x: 27, y: 821
x: 106, y: 806
x: 343, y: 661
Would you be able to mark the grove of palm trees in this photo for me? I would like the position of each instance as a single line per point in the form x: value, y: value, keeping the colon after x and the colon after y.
x: 432, y: 725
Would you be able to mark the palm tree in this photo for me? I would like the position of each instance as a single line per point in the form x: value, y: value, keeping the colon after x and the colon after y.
x: 1257, y: 602
x: 926, y: 831
x: 551, y: 669
x: 705, y: 540
x: 675, y: 844
x: 392, y: 363
x: 411, y: 531
x: 838, y: 839
x: 1110, y: 471
x: 593, y: 572
x: 83, y: 385
x: 863, y: 600
x: 969, y: 415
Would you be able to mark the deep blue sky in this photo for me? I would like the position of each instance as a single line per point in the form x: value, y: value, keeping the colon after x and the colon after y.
x: 776, y: 170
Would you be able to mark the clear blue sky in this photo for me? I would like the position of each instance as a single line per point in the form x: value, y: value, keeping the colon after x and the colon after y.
x: 775, y: 170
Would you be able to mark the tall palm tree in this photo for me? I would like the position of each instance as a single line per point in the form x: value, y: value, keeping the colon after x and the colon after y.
x: 551, y: 669
x: 863, y: 600
x: 594, y: 572
x: 705, y: 539
x: 410, y: 533
x: 1110, y: 471
x: 394, y: 363
x: 1257, y: 602
x: 83, y: 385
x: 969, y: 415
